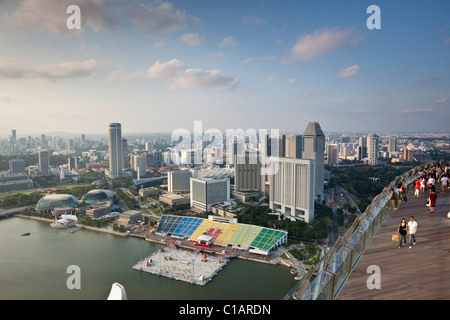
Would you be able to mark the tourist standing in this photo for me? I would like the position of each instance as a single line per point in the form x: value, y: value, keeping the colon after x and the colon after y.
x: 402, y: 232
x: 423, y: 184
x: 432, y: 199
x: 394, y: 199
x: 417, y: 188
x: 444, y: 184
x: 412, y: 231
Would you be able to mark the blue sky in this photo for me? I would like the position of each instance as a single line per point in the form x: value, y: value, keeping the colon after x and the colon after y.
x: 156, y: 66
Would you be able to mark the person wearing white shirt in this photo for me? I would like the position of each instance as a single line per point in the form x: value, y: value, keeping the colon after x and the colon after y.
x: 412, y: 231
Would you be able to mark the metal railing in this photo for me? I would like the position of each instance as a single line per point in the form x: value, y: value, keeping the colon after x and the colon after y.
x: 325, y: 280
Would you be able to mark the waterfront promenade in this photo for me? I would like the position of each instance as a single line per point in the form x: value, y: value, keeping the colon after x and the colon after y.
x: 419, y: 273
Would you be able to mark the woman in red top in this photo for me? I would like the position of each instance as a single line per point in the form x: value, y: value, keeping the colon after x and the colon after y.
x: 433, y: 197
x: 417, y: 186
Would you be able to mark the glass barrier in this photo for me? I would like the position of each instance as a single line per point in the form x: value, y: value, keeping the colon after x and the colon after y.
x: 325, y: 280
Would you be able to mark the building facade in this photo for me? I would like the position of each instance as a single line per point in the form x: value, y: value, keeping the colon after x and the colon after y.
x: 292, y: 189
x: 115, y: 150
x: 207, y: 192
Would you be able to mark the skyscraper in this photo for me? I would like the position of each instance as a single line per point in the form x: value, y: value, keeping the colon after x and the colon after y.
x: 44, y: 161
x: 247, y: 174
x: 314, y: 149
x: 292, y: 189
x: 294, y: 148
x: 115, y: 150
x: 392, y: 145
x: 372, y: 149
x: 333, y: 154
x: 124, y: 154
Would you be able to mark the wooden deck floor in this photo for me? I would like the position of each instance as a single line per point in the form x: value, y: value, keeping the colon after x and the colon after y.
x: 419, y: 273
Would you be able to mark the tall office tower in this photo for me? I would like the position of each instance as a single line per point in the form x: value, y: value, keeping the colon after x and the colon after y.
x: 295, y: 143
x: 292, y: 188
x: 333, y: 154
x: 139, y: 165
x: 44, y: 161
x: 392, y: 145
x: 178, y: 181
x: 149, y: 147
x: 247, y: 173
x: 363, y: 145
x: 124, y: 143
x: 16, y: 166
x: 207, y: 192
x: 265, y: 145
x: 115, y: 150
x: 314, y: 149
x: 72, y: 163
x: 158, y: 158
x: 282, y: 146
x: 372, y: 149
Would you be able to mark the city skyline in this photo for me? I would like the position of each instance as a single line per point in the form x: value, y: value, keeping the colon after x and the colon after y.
x: 156, y: 66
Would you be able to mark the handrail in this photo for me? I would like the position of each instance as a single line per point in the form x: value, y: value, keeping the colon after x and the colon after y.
x: 334, y: 268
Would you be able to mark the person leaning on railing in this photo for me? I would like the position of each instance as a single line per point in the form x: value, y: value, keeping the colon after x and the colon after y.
x: 394, y: 199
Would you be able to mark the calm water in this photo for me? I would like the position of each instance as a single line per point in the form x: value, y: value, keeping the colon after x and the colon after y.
x: 34, y: 267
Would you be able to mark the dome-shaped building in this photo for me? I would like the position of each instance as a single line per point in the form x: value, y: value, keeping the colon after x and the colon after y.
x: 98, y: 195
x: 54, y: 201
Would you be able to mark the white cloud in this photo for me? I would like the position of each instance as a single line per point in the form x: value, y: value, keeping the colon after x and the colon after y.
x: 204, y: 79
x: 257, y: 59
x: 10, y: 68
x: 440, y: 101
x: 51, y: 16
x: 191, y: 39
x: 179, y: 76
x: 271, y: 78
x: 292, y: 81
x: 349, y: 72
x: 320, y: 42
x: 157, y: 16
x: 228, y: 41
x: 165, y: 71
x: 70, y: 69
x: 427, y: 110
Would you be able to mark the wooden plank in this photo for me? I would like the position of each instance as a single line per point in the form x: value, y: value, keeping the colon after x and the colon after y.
x: 419, y: 273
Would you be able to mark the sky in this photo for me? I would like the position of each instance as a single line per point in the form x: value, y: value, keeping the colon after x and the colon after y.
x: 158, y: 66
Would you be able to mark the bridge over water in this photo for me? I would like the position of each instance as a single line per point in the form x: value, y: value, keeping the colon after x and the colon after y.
x: 421, y: 273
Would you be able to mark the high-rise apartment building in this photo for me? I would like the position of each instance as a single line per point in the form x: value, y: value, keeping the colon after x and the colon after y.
x: 292, y: 189
x: 115, y: 150
x: 372, y: 149
x: 314, y: 149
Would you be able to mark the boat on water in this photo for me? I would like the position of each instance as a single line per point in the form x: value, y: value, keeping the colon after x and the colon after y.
x: 26, y: 234
x: 117, y: 292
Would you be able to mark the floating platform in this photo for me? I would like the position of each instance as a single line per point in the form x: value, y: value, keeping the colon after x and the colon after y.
x: 193, y: 267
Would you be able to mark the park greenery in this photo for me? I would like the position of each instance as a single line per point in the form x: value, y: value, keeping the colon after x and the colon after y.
x: 358, y: 180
